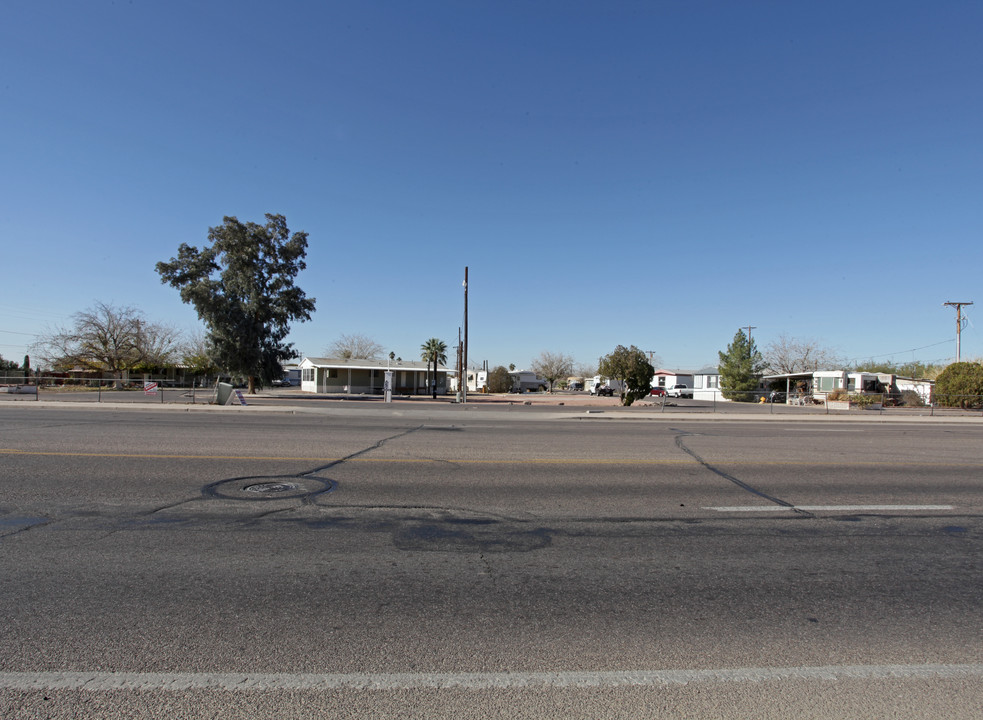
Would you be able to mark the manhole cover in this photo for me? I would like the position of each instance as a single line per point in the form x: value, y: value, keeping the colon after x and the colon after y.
x: 268, y: 488
x: 271, y: 487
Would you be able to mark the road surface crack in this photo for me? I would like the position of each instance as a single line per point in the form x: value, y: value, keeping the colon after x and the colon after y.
x: 681, y: 434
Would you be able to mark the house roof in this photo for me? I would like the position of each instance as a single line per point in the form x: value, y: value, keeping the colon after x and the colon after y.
x: 834, y: 373
x: 779, y: 376
x: 367, y: 364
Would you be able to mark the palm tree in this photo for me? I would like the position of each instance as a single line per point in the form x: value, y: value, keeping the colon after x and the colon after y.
x: 433, y: 350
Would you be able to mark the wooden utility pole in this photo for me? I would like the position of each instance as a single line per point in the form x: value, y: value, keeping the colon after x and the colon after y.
x: 959, y: 323
x: 462, y: 383
x: 464, y: 358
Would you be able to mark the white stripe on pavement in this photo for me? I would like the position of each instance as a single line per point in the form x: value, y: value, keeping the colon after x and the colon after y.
x: 830, y: 508
x: 106, y: 681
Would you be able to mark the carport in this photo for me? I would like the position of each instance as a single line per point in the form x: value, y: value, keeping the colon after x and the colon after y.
x: 803, y: 382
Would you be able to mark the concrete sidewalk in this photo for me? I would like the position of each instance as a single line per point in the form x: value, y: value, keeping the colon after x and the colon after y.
x: 514, y: 407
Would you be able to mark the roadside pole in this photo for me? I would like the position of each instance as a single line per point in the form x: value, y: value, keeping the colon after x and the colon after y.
x: 464, y: 353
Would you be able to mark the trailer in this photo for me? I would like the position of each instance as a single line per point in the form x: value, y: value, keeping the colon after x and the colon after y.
x: 528, y: 381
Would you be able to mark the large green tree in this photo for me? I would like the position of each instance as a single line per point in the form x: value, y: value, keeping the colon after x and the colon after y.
x: 7, y: 365
x: 433, y: 351
x: 740, y: 368
x: 242, y: 286
x: 631, y: 368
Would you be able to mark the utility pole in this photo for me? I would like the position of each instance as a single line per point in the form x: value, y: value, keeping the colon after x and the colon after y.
x: 461, y: 379
x: 749, y: 329
x: 959, y: 322
x: 464, y: 353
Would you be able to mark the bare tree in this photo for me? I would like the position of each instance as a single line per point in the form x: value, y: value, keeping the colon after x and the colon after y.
x: 585, y: 370
x: 552, y: 366
x: 354, y: 347
x: 110, y: 339
x: 790, y: 355
x: 197, y: 354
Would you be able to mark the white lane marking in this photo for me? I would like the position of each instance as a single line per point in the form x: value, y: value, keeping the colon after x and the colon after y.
x: 812, y: 430
x: 831, y: 508
x: 106, y: 681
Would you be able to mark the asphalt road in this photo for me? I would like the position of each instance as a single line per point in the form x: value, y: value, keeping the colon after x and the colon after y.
x: 441, y: 563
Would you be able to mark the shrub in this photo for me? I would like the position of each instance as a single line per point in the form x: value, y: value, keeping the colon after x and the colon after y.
x: 863, y: 401
x: 910, y: 398
x: 499, y: 380
x: 960, y: 385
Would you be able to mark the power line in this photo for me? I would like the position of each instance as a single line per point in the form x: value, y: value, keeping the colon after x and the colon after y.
x: 899, y: 352
x: 30, y: 313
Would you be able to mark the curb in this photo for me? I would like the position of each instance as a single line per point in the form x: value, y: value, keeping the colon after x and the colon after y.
x: 516, y: 412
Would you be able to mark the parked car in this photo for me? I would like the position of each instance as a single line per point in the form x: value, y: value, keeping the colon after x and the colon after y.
x: 282, y: 383
x: 603, y: 390
x: 680, y: 391
x: 658, y: 391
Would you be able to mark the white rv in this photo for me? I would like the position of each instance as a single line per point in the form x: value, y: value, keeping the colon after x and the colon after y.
x: 528, y: 381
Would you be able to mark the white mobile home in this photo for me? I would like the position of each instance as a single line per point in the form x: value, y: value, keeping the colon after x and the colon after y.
x: 668, y: 378
x: 367, y: 377
x: 706, y: 384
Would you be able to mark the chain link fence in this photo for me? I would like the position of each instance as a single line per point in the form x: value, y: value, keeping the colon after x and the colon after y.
x: 773, y: 402
x: 149, y: 390
x: 146, y: 390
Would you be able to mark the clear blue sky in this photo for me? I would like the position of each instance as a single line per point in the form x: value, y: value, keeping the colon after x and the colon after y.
x: 647, y: 173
